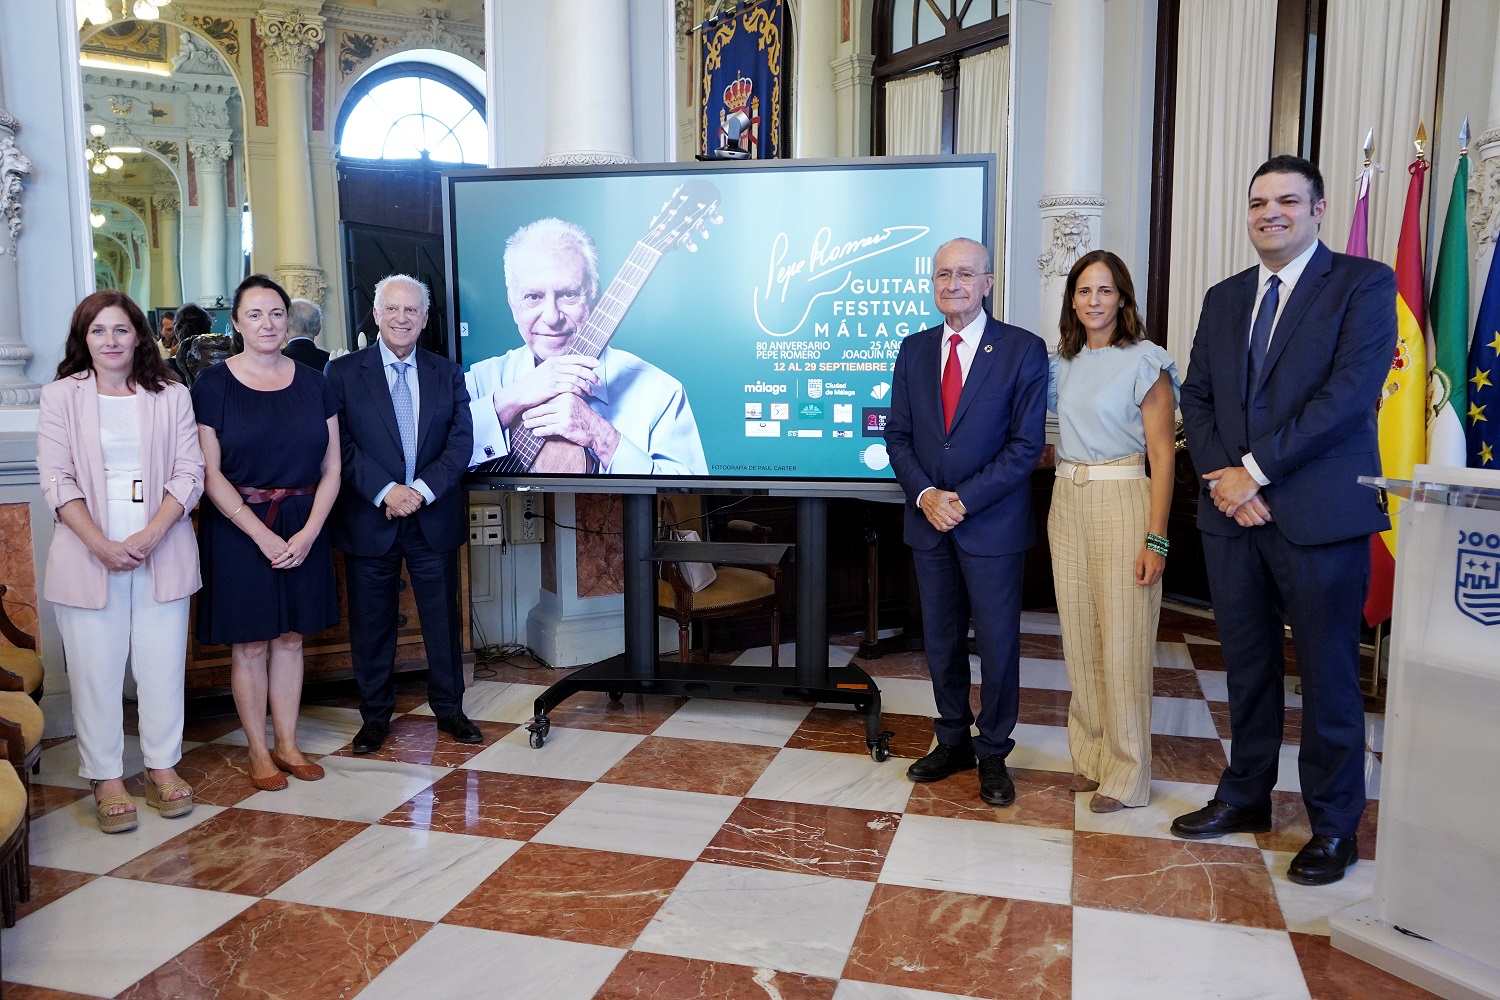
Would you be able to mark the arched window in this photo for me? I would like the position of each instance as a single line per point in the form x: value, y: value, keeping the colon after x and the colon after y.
x: 414, y: 111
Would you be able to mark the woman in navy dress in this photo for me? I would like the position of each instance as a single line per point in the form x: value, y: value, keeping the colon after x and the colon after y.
x: 270, y: 437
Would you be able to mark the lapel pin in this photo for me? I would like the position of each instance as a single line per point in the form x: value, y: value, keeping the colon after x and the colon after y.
x: 988, y: 348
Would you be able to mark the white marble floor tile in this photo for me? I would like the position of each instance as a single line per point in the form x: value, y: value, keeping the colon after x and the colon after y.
x: 985, y: 859
x: 320, y: 729
x: 1215, y: 685
x: 1306, y: 908
x: 494, y: 964
x: 1051, y: 675
x: 760, y: 656
x: 852, y: 989
x: 906, y: 696
x: 735, y: 722
x: 497, y: 701
x: 1169, y: 799
x: 356, y: 788
x: 579, y: 754
x: 102, y: 937
x: 418, y: 874
x: 721, y: 913
x: 1041, y: 623
x: 1375, y: 732
x: 834, y: 779
x: 658, y: 822
x: 69, y: 837
x: 1182, y: 717
x: 1137, y: 956
x: 1198, y: 640
x: 1292, y: 698
x: 1372, y: 776
x: 60, y: 764
x: 1174, y: 655
x: 1041, y: 748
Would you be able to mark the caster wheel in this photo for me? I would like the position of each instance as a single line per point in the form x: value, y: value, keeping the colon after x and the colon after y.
x: 539, y: 728
x: 537, y: 739
x: 879, y: 754
x: 615, y: 697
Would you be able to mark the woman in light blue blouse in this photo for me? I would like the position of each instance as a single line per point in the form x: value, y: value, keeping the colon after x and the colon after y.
x: 1114, y: 393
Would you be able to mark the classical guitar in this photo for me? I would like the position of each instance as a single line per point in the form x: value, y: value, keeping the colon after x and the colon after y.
x: 690, y: 210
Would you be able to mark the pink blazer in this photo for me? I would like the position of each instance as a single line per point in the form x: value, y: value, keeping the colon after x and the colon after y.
x: 71, y: 462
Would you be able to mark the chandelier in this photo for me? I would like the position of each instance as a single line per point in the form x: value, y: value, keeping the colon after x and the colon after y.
x: 101, y: 158
x: 102, y: 11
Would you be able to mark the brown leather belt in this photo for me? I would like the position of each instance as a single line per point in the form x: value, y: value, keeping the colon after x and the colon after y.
x: 273, y: 497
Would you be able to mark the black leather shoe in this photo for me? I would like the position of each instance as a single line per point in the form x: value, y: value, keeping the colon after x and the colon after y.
x: 944, y: 761
x: 370, y: 736
x: 1218, y: 818
x: 460, y: 728
x: 995, y: 786
x: 1323, y: 860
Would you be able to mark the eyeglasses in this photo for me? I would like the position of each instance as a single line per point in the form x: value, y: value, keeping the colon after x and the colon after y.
x: 964, y: 276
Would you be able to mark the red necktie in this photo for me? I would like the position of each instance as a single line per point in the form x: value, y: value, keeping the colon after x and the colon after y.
x: 953, y: 382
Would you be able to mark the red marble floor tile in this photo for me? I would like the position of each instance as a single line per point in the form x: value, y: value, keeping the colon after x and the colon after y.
x: 910, y: 664
x: 416, y: 739
x: 1041, y: 647
x: 842, y: 731
x: 596, y: 897
x: 218, y: 772
x: 1169, y: 682
x: 641, y: 714
x: 45, y: 798
x: 1335, y: 975
x: 49, y: 885
x: 209, y: 729
x: 1043, y: 707
x: 643, y: 976
x: 1187, y: 758
x: 810, y: 839
x: 1290, y: 828
x: 952, y: 942
x: 1291, y: 729
x: 1185, y: 622
x: 1042, y: 799
x: 284, y: 950
x: 21, y: 991
x: 487, y: 804
x: 692, y: 766
x: 1174, y: 878
x: 241, y: 850
x: 1206, y: 657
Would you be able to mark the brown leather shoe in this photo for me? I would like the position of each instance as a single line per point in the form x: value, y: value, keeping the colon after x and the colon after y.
x: 270, y: 783
x: 1105, y: 804
x: 1082, y: 784
x: 302, y: 772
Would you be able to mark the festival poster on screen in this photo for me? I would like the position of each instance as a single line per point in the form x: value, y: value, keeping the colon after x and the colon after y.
x: 778, y: 296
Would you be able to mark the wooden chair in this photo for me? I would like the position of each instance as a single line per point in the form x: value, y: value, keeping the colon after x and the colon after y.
x: 736, y: 590
x: 20, y: 665
x: 15, y: 828
x: 21, y: 726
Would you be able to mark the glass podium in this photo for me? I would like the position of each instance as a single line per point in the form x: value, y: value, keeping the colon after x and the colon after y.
x: 1434, y: 918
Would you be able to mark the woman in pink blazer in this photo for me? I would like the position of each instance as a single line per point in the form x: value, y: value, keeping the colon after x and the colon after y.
x: 117, y: 447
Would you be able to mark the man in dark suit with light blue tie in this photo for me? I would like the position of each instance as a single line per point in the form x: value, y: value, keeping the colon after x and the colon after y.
x: 407, y: 436
x: 968, y: 405
x: 1279, y: 409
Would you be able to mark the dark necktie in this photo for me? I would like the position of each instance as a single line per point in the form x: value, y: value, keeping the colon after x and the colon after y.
x: 1260, y: 335
x: 953, y: 381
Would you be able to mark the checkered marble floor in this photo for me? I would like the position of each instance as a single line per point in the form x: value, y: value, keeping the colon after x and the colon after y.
x: 675, y: 848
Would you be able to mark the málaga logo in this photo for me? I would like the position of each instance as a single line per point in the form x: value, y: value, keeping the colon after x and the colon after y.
x: 1476, y: 583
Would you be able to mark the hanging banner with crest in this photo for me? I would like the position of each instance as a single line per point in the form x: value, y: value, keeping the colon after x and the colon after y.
x: 742, y: 57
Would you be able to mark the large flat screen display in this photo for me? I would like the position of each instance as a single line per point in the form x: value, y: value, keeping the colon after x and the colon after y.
x: 718, y: 325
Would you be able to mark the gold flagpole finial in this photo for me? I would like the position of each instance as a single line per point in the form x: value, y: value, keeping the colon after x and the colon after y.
x: 1369, y: 146
x: 1421, y: 140
x: 1463, y: 138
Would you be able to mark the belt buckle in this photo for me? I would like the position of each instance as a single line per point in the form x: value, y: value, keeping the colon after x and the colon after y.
x: 1080, y: 474
x: 137, y: 493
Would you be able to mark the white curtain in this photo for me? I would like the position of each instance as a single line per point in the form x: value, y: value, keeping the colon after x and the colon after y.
x: 914, y: 116
x: 1380, y: 71
x: 1224, y: 72
x: 983, y: 127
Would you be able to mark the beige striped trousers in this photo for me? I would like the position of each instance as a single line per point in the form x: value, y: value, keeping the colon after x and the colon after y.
x: 1096, y: 531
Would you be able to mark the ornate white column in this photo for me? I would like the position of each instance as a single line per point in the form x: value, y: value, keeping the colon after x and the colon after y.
x: 1484, y: 185
x: 1073, y: 166
x: 169, y: 246
x: 589, y: 115
x: 15, y: 388
x: 291, y: 38
x: 210, y: 155
x: 816, y: 130
x: 852, y: 79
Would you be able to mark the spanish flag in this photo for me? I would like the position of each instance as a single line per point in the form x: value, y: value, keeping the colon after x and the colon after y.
x: 1403, y: 399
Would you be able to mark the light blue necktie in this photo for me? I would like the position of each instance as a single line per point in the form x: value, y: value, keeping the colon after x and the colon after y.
x: 406, y: 420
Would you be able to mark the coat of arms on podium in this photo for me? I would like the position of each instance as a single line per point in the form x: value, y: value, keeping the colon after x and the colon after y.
x: 1476, y: 583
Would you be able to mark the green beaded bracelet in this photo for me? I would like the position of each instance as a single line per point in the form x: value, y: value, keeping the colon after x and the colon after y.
x: 1156, y: 543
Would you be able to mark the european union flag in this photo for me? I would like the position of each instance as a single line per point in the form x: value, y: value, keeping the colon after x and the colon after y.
x: 1482, y: 420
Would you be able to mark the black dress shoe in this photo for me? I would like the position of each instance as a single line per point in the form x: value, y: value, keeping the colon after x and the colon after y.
x: 1218, y: 818
x: 995, y: 786
x: 370, y: 736
x: 1323, y: 860
x: 460, y: 728
x: 942, y: 762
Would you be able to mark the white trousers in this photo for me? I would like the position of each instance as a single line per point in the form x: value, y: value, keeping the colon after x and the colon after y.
x: 153, y: 637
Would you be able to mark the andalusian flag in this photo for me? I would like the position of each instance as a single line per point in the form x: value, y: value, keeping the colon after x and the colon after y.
x: 1483, y: 413
x: 1450, y: 326
x: 1403, y: 400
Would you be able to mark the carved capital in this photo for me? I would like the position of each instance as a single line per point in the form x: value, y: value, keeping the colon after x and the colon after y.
x: 291, y: 38
x: 10, y: 121
x: 210, y: 154
x: 583, y: 159
x: 1072, y: 237
x: 1071, y: 201
x: 14, y: 169
x: 1484, y: 202
x: 167, y: 204
x: 302, y: 281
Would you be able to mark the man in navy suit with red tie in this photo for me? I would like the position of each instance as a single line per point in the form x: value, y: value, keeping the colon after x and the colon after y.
x: 1279, y: 409
x: 968, y: 405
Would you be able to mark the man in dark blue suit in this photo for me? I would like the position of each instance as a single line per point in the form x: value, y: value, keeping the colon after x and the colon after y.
x: 1279, y: 408
x: 407, y: 435
x: 968, y: 405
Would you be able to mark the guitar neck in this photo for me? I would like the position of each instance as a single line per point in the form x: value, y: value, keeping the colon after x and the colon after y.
x: 596, y: 333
